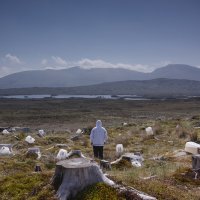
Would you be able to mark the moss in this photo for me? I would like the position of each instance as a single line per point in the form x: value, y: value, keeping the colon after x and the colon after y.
x: 122, y: 164
x: 50, y: 165
x: 186, y: 176
x: 21, y: 136
x: 162, y: 190
x: 98, y: 191
x: 26, y: 186
x: 13, y: 166
x: 54, y: 139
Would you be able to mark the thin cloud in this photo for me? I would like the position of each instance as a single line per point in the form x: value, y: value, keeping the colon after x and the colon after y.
x: 4, y: 71
x: 88, y: 63
x: 58, y: 60
x: 10, y: 64
x: 13, y: 59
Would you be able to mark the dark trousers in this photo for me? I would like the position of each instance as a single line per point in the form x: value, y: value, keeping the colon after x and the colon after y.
x: 98, y: 151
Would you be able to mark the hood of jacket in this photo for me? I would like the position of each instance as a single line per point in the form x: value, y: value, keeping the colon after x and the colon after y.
x: 98, y: 123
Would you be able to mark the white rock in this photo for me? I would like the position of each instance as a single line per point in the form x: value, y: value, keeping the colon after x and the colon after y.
x: 5, y: 132
x: 79, y: 131
x: 119, y: 149
x: 41, y: 133
x: 192, y: 147
x: 5, y: 151
x: 62, y: 154
x: 30, y: 139
x: 149, y: 130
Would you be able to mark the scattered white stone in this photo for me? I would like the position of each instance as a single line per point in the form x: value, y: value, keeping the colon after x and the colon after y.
x: 192, y: 147
x: 62, y: 154
x: 79, y: 131
x: 119, y: 149
x: 5, y: 151
x: 5, y: 132
x: 41, y: 133
x: 30, y: 139
x: 124, y: 124
x: 149, y: 130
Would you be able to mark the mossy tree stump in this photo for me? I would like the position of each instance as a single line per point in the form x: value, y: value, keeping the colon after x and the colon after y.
x: 73, y: 175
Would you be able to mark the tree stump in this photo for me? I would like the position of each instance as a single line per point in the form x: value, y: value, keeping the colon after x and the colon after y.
x: 38, y: 168
x: 196, y: 165
x: 34, y: 152
x: 104, y: 164
x: 73, y: 175
x: 135, y: 159
x: 75, y: 153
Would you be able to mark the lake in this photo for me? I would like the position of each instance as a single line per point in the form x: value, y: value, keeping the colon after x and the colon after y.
x: 126, y: 97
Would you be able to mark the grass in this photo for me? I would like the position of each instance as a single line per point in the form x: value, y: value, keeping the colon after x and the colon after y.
x: 25, y: 186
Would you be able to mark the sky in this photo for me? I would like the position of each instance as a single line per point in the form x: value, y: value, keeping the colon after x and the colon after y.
x: 140, y: 35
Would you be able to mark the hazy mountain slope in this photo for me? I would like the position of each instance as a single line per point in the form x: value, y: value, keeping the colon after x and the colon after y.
x: 177, y: 71
x: 77, y: 76
x: 156, y: 87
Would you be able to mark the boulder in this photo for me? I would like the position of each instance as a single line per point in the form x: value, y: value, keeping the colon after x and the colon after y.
x: 5, y: 132
x: 30, y: 139
x: 41, y: 133
x: 79, y: 131
x: 5, y: 151
x: 149, y: 130
x: 62, y: 154
x: 192, y: 147
x: 119, y: 150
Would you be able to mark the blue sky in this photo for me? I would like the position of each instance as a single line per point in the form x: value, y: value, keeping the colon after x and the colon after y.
x: 136, y: 34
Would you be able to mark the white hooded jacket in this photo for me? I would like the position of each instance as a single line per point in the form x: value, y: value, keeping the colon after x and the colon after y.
x: 98, y: 134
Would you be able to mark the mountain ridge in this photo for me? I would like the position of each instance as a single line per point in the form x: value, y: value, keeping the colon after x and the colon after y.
x: 156, y: 87
x: 77, y: 76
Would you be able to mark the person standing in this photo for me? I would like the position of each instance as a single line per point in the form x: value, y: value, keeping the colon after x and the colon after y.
x: 98, y: 137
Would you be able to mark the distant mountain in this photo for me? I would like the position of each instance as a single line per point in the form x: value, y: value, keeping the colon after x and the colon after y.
x: 74, y: 76
x: 152, y: 88
x: 177, y: 71
x: 77, y: 76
